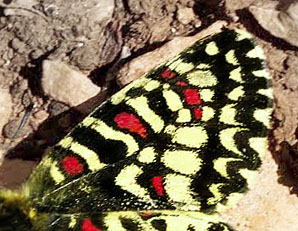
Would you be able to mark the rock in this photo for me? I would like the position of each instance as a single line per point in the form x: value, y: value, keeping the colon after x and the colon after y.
x: 280, y: 21
x: 85, y: 57
x: 186, y: 15
x: 17, y: 128
x: 40, y: 116
x: 103, y: 10
x: 35, y: 53
x: 56, y: 108
x: 5, y: 107
x: 64, y: 84
x: 19, y: 3
x: 18, y: 45
x: 266, y: 206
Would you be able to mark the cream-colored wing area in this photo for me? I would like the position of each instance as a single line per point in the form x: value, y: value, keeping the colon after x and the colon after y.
x: 228, y: 114
x: 208, y: 113
x: 141, y: 106
x: 152, y: 220
x: 90, y: 156
x: 236, y: 93
x: 185, y: 162
x: 179, y: 66
x: 202, y: 78
x: 207, y: 95
x: 55, y: 172
x: 211, y: 48
x: 217, y: 194
x: 227, y: 139
x: 262, y: 115
x: 181, y: 221
x: 173, y: 100
x: 128, y: 177
x: 178, y: 188
x: 194, y: 136
x: 235, y: 75
x: 231, y: 58
x: 113, y: 221
x: 257, y: 52
x: 147, y: 155
x: 184, y: 115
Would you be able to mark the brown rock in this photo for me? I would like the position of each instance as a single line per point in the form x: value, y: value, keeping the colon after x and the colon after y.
x: 280, y: 21
x: 5, y: 107
x: 66, y: 85
x: 186, y: 15
x: 266, y: 206
x: 40, y: 116
x: 18, y: 45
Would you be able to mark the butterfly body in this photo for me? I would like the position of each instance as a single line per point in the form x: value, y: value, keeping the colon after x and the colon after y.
x: 167, y: 152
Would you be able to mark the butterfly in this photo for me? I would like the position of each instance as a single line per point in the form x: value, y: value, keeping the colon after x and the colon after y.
x: 167, y: 152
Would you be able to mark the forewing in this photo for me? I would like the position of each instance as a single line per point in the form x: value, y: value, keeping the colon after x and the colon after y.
x: 136, y: 221
x: 188, y: 136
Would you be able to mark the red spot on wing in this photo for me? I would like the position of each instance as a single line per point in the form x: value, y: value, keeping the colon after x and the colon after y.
x: 168, y: 74
x: 181, y: 84
x: 192, y: 96
x: 157, y: 184
x: 72, y: 165
x: 197, y: 113
x: 88, y: 226
x: 146, y: 215
x: 129, y: 121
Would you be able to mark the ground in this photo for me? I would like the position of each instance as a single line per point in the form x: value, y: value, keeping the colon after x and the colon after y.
x: 59, y: 59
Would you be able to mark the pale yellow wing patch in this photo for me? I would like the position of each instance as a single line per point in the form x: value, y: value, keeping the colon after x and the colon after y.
x: 127, y: 177
x: 231, y: 58
x: 184, y: 115
x: 241, y: 34
x: 185, y: 162
x: 208, y: 113
x: 173, y: 100
x: 140, y: 104
x: 55, y: 173
x: 217, y: 195
x: 211, y: 48
x: 236, y: 75
x: 152, y: 85
x: 147, y: 155
x: 190, y: 136
x: 259, y: 144
x: 220, y: 165
x: 121, y: 96
x: 236, y: 93
x: 257, y: 52
x: 227, y: 139
x: 228, y: 114
x: 88, y: 155
x: 207, y: 95
x: 261, y: 73
x: 263, y: 115
x: 178, y: 189
x: 266, y: 92
x: 202, y: 78
x: 181, y: 67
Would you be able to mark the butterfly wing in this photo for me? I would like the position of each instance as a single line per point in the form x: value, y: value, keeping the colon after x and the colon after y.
x: 187, y: 136
x: 135, y: 221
